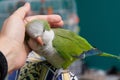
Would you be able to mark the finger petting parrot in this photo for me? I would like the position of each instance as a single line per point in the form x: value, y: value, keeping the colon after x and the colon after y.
x: 59, y: 46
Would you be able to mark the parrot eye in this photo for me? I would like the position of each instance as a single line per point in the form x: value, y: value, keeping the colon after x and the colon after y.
x: 44, y: 44
x: 44, y: 30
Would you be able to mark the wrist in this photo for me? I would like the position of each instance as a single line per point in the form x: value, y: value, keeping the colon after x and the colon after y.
x: 5, y: 46
x: 6, y: 49
x: 3, y: 66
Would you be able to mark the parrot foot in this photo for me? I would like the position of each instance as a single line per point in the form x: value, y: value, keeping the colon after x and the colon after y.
x: 59, y: 72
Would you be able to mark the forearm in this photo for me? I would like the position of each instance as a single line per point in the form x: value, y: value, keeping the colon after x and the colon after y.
x: 4, y: 53
x: 6, y: 49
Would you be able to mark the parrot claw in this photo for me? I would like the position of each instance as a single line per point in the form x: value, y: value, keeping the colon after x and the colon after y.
x: 81, y: 56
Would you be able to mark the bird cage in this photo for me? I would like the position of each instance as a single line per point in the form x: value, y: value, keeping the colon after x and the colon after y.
x: 65, y: 8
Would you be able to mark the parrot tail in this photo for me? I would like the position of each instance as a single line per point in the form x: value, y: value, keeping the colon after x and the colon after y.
x: 97, y: 52
x: 109, y: 55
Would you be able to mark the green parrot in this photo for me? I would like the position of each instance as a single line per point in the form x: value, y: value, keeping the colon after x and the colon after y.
x: 60, y: 47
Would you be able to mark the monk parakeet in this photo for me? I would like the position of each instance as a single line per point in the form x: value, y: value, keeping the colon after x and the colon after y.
x: 60, y: 47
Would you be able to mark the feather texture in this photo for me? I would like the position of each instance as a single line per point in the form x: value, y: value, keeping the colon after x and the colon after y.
x: 63, y: 47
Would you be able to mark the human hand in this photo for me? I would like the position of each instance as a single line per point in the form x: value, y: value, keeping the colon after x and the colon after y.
x: 13, y: 33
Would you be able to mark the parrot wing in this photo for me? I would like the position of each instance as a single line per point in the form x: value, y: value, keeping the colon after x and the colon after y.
x: 69, y: 44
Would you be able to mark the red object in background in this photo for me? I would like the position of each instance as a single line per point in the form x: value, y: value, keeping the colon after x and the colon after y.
x: 75, y: 18
x: 50, y: 10
x: 42, y: 1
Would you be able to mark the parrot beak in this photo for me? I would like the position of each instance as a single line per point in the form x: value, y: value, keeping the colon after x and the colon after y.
x: 39, y: 40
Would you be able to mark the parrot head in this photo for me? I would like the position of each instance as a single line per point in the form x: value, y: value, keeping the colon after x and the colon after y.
x: 36, y: 29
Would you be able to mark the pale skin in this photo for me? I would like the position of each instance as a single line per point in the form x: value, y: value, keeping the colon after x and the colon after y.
x: 12, y: 35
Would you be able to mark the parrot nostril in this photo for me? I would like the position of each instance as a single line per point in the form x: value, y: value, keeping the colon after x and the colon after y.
x: 44, y: 44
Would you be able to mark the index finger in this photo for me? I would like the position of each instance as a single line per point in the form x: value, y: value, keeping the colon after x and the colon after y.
x: 54, y: 20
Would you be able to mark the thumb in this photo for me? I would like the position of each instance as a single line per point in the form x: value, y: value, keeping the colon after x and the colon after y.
x: 22, y: 11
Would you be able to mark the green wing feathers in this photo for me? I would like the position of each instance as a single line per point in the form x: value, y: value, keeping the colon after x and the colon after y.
x: 72, y: 45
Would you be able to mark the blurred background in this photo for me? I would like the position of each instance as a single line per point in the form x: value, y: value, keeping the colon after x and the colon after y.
x: 96, y: 20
